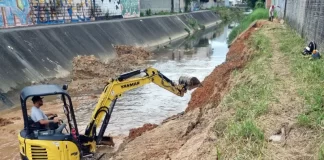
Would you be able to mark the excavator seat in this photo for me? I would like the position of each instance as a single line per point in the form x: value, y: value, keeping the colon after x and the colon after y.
x: 35, y: 125
x: 42, y: 133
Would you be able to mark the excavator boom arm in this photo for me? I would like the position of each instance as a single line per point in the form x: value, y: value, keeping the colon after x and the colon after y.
x: 116, y: 87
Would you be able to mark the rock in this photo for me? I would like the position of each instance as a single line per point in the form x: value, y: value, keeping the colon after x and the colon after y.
x: 282, y: 133
x: 275, y: 138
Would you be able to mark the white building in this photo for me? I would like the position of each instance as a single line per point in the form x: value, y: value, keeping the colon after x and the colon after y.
x: 227, y: 4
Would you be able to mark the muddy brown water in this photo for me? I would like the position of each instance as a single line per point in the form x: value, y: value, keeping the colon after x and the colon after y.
x: 197, y: 56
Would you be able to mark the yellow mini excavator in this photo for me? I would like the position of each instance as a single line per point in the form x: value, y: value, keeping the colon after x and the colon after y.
x: 37, y: 142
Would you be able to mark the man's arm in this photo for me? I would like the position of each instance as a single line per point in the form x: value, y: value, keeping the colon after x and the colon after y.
x: 45, y: 122
x: 49, y: 114
x: 39, y: 118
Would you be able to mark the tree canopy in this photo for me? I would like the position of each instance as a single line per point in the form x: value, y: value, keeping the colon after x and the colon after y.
x: 252, y: 3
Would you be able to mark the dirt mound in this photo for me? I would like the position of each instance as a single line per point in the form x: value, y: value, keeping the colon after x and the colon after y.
x: 87, y: 67
x: 124, y: 49
x: 4, y: 122
x: 89, y: 73
x: 135, y: 132
x: 217, y: 83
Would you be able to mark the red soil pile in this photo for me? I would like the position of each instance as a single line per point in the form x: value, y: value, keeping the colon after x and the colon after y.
x: 136, y: 132
x: 217, y: 83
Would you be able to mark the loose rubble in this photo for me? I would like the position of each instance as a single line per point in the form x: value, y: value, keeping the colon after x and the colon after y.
x: 90, y: 74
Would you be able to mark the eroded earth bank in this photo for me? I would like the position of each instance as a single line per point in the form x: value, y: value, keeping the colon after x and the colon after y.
x: 191, y: 135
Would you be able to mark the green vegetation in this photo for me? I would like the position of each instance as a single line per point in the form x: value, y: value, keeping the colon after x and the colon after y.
x: 148, y: 12
x: 249, y: 99
x: 228, y: 14
x: 246, y: 129
x: 259, y: 4
x: 245, y: 110
x: 163, y: 13
x: 310, y: 76
x: 194, y: 24
x: 254, y: 3
x: 321, y: 153
x: 257, y: 14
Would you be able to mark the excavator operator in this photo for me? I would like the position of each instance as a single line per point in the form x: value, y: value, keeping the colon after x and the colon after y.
x: 48, y: 121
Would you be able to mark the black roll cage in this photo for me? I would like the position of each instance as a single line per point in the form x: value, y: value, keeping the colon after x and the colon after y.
x: 63, y: 98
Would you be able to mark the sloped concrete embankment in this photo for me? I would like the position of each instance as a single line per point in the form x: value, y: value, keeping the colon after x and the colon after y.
x: 40, y: 52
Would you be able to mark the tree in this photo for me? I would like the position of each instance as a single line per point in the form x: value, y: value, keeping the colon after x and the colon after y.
x: 251, y: 3
x: 259, y: 4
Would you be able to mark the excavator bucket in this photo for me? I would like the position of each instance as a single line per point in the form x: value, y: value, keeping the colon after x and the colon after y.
x: 107, y: 141
x: 190, y: 82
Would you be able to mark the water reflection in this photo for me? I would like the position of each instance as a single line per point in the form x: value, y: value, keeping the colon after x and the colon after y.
x: 197, y: 56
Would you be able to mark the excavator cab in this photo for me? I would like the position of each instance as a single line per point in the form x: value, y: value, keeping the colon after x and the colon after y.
x: 37, y: 141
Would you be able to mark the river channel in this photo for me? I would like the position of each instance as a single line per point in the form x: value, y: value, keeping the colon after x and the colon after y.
x: 196, y: 56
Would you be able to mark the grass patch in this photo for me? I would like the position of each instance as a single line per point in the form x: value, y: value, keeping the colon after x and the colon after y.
x: 257, y: 14
x: 149, y: 12
x: 304, y: 120
x: 245, y: 130
x: 321, y: 153
x: 310, y: 79
x: 163, y: 13
x: 309, y: 75
x: 249, y: 99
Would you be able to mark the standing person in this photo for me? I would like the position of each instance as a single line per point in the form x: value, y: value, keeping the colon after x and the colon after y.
x: 271, y: 13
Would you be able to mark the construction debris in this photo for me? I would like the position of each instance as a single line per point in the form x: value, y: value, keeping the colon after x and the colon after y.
x: 89, y: 73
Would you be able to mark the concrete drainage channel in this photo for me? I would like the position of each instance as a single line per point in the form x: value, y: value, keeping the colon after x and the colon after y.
x: 41, y: 52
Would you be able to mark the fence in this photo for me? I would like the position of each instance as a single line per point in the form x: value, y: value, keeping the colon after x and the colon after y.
x: 305, y: 16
